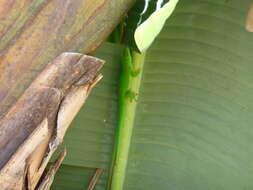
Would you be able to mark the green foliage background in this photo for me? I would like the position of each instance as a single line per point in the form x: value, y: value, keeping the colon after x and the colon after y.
x: 193, y: 124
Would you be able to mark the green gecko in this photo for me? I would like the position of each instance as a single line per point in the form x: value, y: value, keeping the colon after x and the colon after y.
x: 125, y: 93
x: 127, y: 72
x: 129, y: 85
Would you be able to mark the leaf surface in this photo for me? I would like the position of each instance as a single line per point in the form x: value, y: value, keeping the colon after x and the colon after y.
x: 193, y: 127
x: 193, y: 122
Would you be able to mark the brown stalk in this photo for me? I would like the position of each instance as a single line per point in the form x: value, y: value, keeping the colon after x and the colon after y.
x: 41, y: 117
x: 95, y: 178
x: 39, y: 100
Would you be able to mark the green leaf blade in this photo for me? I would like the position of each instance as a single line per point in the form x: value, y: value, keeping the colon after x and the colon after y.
x: 145, y: 21
x: 193, y: 122
x: 146, y: 33
x: 193, y: 126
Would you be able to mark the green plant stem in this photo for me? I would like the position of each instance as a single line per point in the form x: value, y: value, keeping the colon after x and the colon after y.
x: 132, y: 67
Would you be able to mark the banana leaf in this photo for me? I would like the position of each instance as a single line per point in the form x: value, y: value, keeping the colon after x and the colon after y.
x: 193, y: 122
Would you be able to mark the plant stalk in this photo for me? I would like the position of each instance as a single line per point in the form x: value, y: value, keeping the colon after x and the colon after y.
x: 132, y: 67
